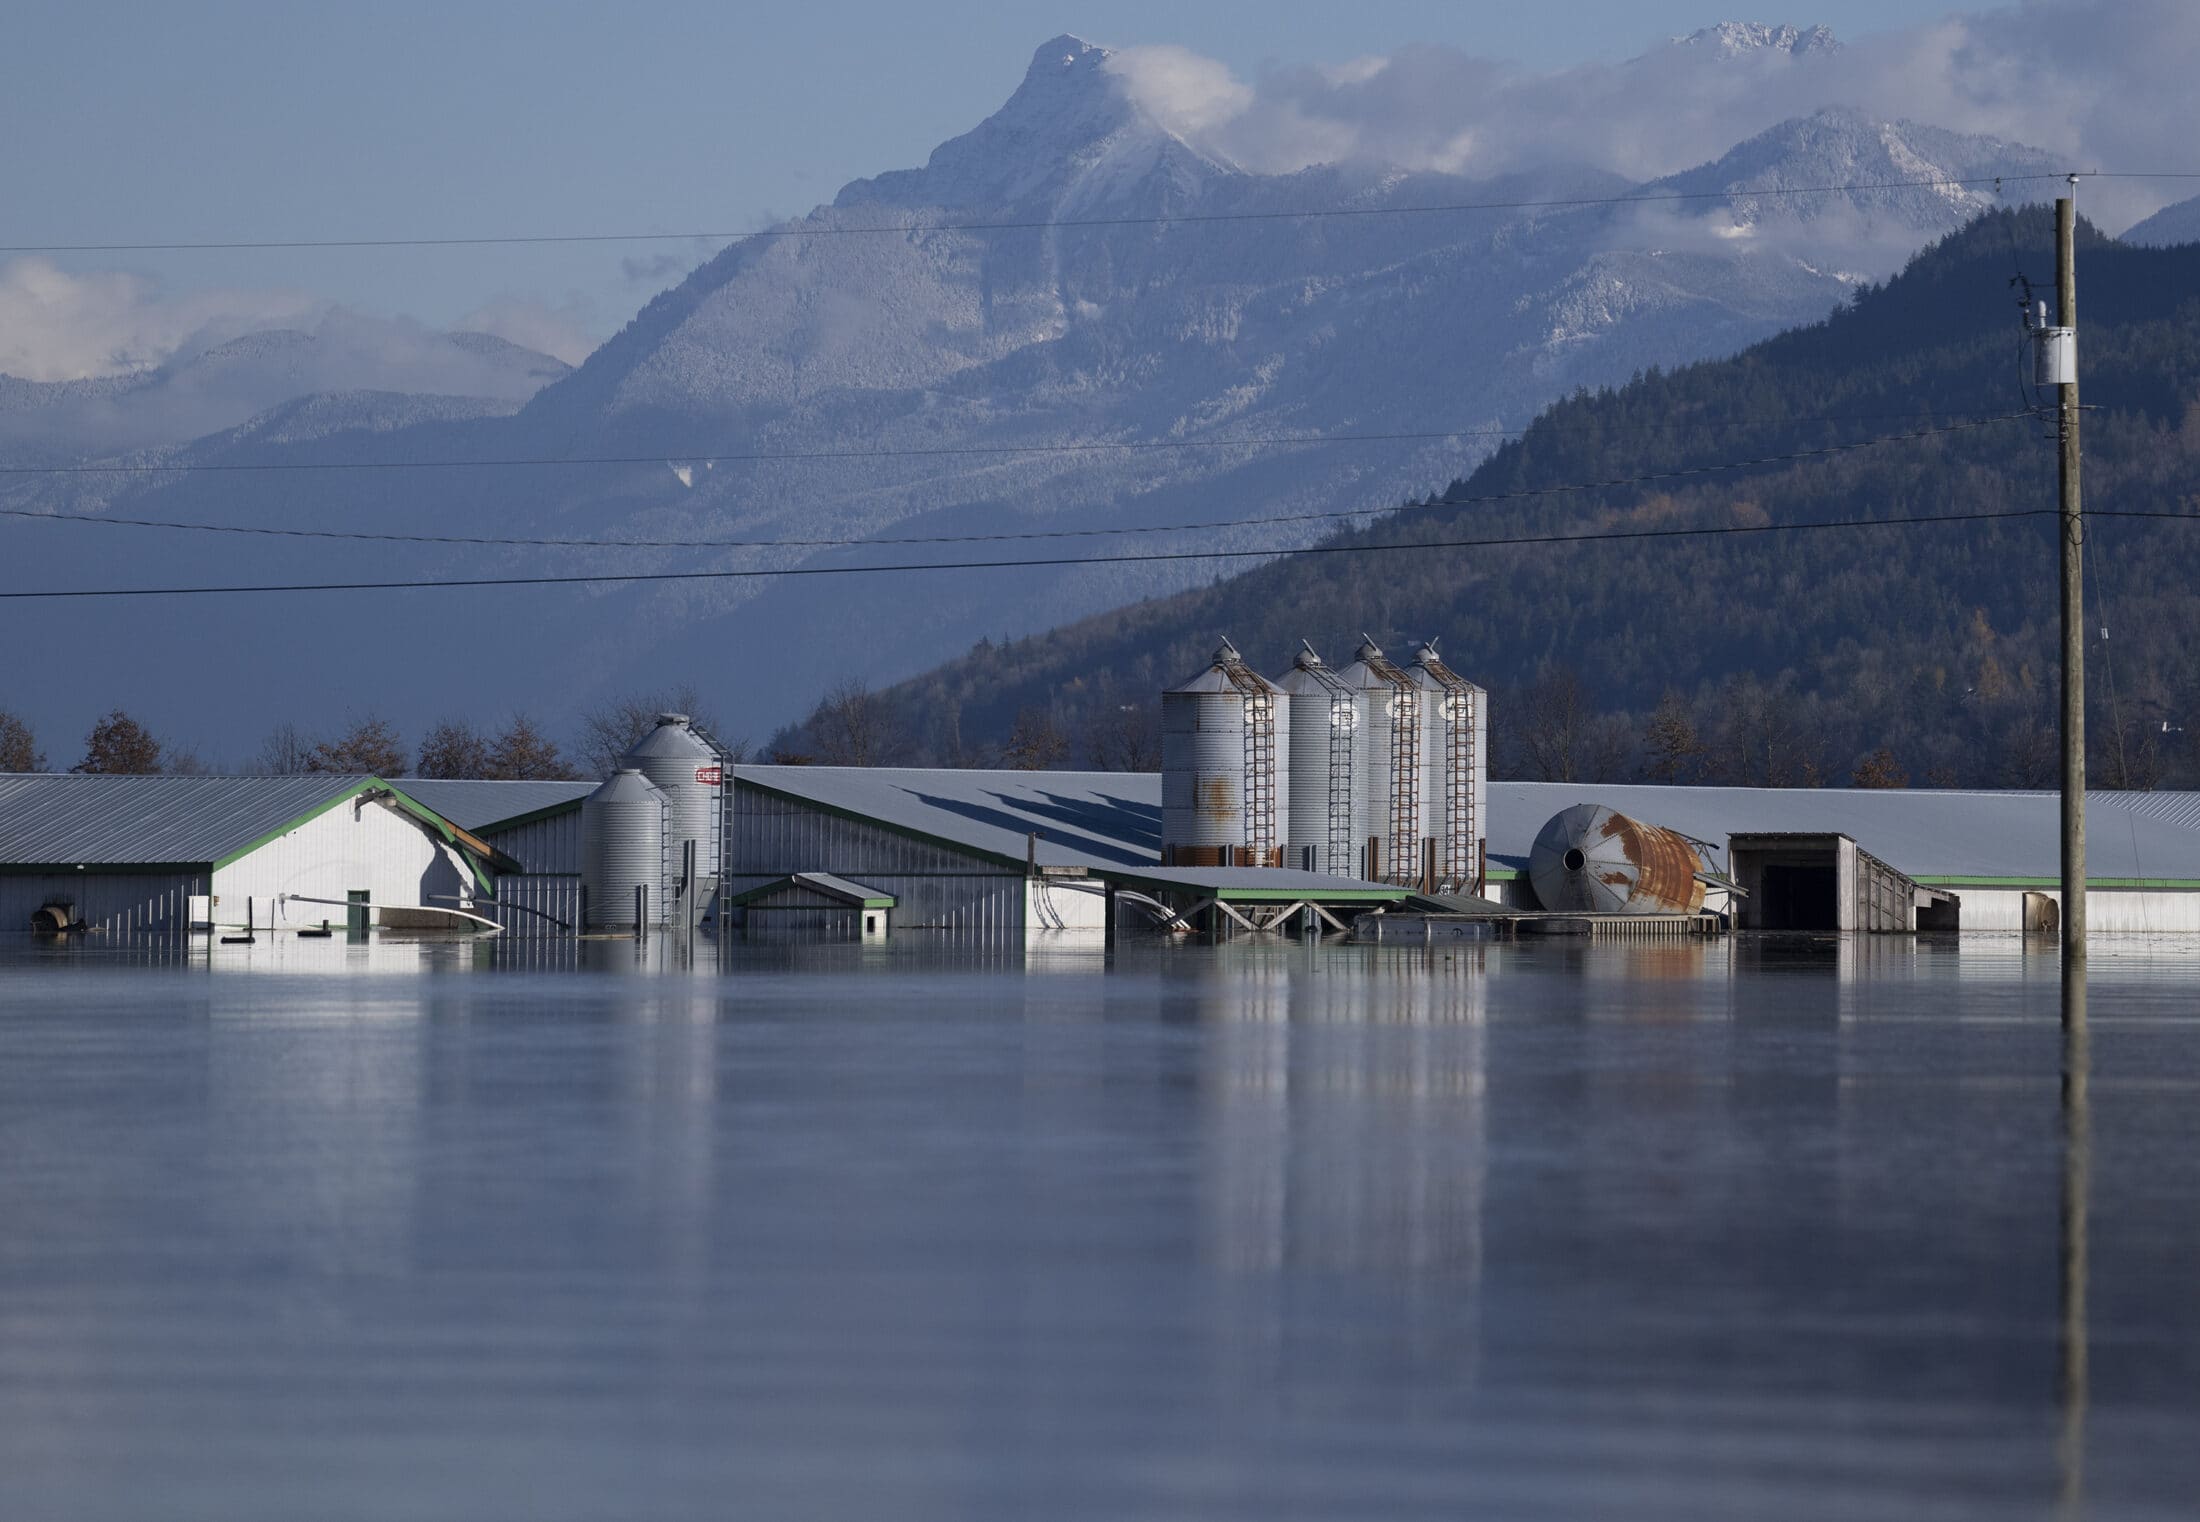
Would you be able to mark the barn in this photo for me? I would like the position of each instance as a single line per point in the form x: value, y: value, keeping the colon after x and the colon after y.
x: 165, y: 854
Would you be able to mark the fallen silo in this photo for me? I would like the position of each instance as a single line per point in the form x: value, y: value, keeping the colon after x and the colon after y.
x: 1590, y: 859
x: 1225, y: 777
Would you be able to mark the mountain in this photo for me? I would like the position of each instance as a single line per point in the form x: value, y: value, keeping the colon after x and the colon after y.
x: 204, y: 390
x: 2179, y: 223
x: 1067, y: 318
x: 1785, y: 657
x: 1733, y: 38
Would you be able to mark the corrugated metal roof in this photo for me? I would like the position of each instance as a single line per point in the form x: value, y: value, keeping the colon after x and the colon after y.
x: 1102, y: 819
x: 69, y: 820
x: 1083, y: 818
x: 478, y: 805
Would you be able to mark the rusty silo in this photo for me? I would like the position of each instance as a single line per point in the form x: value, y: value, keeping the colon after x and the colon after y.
x: 1454, y: 769
x: 1387, y: 821
x: 1321, y: 830
x: 1592, y: 860
x: 1225, y: 775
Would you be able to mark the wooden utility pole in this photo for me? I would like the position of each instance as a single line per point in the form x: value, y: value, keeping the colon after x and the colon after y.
x: 2072, y: 525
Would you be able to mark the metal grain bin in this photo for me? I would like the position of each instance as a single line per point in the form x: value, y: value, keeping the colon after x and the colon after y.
x: 1591, y: 860
x: 1389, y: 770
x: 623, y: 831
x: 1454, y: 767
x: 1324, y: 750
x: 1225, y: 781
x: 688, y: 771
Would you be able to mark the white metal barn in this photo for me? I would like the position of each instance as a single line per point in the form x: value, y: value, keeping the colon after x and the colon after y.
x: 537, y: 825
x: 121, y: 854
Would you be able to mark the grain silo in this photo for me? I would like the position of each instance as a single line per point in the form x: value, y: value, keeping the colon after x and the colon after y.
x: 1592, y: 859
x: 1225, y: 778
x: 1387, y: 821
x: 1321, y: 829
x: 687, y: 769
x: 1454, y: 769
x: 624, y: 827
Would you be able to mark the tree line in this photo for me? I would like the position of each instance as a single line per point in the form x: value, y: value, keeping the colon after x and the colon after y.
x: 118, y: 744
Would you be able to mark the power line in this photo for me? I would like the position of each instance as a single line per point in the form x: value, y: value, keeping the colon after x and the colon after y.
x: 1087, y: 446
x: 1047, y: 224
x: 1606, y: 536
x: 1475, y: 499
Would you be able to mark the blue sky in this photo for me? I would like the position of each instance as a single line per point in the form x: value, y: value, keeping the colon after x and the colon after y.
x: 208, y: 121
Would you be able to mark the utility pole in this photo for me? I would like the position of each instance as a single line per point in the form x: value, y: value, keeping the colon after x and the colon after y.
x: 2072, y: 526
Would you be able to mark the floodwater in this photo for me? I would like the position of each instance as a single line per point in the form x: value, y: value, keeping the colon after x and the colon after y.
x: 1739, y: 1230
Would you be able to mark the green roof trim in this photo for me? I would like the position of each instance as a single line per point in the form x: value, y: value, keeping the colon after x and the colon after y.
x: 442, y: 827
x: 241, y: 852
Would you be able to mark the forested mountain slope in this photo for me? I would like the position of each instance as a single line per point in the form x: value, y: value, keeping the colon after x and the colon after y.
x: 1754, y: 657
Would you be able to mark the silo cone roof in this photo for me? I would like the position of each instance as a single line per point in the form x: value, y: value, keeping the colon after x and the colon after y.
x: 1594, y: 860
x: 675, y: 741
x: 627, y: 786
x: 1218, y: 677
x: 1370, y: 668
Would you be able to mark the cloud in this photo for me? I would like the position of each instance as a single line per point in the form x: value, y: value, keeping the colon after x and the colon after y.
x: 655, y: 269
x: 202, y: 361
x: 2101, y: 81
x: 58, y: 325
x: 563, y: 332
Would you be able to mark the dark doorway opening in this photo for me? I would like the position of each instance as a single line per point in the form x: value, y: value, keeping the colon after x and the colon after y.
x: 1797, y: 898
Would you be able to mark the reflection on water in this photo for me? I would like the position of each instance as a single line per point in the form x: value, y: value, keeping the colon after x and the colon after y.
x: 1719, y: 1229
x: 2077, y: 1128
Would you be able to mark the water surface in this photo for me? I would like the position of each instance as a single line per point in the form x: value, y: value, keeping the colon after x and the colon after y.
x: 534, y: 1231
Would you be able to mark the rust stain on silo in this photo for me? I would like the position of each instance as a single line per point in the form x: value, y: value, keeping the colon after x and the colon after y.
x: 1666, y: 864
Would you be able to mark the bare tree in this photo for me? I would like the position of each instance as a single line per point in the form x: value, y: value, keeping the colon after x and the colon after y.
x: 1560, y: 737
x: 2031, y: 751
x: 524, y: 754
x: 1766, y: 737
x: 610, y: 729
x: 18, y: 746
x: 855, y: 726
x: 370, y: 746
x: 1879, y: 770
x: 2128, y: 757
x: 120, y: 746
x: 1123, y: 736
x: 286, y: 750
x: 1673, y: 749
x: 454, y: 748
x: 1036, y: 743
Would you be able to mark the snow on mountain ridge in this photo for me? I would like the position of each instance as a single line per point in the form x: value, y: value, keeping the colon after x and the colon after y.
x: 1733, y: 39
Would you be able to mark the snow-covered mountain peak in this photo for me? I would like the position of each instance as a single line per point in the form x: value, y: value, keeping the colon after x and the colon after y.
x: 1071, y: 132
x: 1735, y: 39
x: 1066, y: 57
